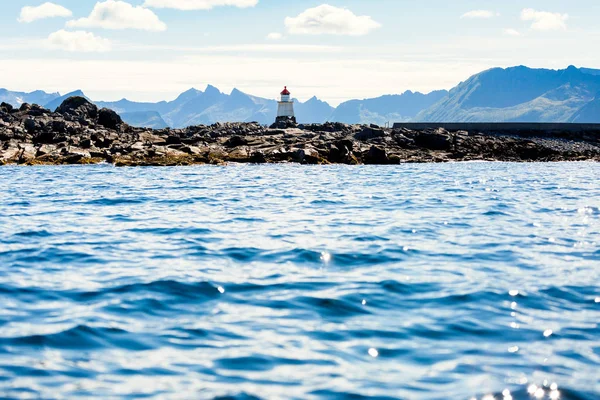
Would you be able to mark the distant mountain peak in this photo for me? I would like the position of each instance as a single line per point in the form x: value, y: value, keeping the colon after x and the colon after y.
x: 74, y: 93
x: 210, y: 89
x: 519, y: 94
x: 192, y: 91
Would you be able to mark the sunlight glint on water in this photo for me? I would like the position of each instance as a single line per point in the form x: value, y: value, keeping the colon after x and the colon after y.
x: 451, y: 281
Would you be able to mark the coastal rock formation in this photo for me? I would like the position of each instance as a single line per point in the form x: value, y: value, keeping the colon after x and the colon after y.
x: 80, y: 133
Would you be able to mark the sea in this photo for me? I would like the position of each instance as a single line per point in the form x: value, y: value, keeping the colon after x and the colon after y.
x: 418, y: 281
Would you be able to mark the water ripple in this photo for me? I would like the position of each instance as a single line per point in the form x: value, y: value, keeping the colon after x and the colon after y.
x: 456, y: 281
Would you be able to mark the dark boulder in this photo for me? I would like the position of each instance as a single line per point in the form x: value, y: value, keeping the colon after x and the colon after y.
x: 173, y: 139
x: 79, y: 106
x: 109, y: 119
x: 59, y: 126
x: 31, y: 126
x: 43, y: 137
x: 36, y: 111
x: 403, y: 141
x: 345, y: 144
x: 376, y: 155
x: 284, y: 123
x: 236, y: 141
x: 434, y: 140
x: 6, y: 107
x: 340, y: 151
x: 307, y: 156
x: 85, y: 143
x: 368, y: 133
x: 258, y: 157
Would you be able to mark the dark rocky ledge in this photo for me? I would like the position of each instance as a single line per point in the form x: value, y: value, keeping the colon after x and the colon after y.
x: 79, y: 133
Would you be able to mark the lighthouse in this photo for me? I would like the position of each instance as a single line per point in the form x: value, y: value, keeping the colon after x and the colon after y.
x: 285, y: 109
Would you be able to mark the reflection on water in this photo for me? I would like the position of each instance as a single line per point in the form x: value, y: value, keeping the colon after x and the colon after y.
x: 452, y: 281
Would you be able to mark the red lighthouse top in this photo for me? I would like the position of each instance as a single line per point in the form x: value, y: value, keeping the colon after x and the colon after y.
x: 285, y: 92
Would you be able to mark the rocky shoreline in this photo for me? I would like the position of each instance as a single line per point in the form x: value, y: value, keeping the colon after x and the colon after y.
x: 80, y: 133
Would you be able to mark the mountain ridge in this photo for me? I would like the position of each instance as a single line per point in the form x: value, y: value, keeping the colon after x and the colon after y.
x: 517, y: 94
x: 514, y: 94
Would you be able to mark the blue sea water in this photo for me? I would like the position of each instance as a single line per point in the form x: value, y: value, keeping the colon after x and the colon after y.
x: 451, y: 281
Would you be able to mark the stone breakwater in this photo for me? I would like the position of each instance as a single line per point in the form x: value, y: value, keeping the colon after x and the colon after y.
x: 80, y: 133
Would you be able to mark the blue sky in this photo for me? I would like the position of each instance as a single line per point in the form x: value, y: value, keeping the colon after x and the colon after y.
x: 155, y: 49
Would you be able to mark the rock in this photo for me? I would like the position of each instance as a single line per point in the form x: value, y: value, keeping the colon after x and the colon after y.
x: 284, y: 123
x: 394, y: 159
x: 59, y: 126
x: 43, y: 137
x: 75, y: 155
x: 85, y: 143
x: 376, y: 155
x: 79, y: 106
x: 307, y: 156
x: 59, y: 139
x: 345, y: 144
x: 6, y: 107
x: 403, y: 141
x: 238, y: 155
x: 28, y: 153
x: 173, y: 139
x: 236, y: 141
x: 258, y: 157
x: 10, y: 154
x: 109, y: 119
x: 434, y: 140
x: 31, y: 125
x: 103, y: 143
x: 36, y: 111
x: 340, y: 151
x: 368, y: 133
x: 137, y: 146
x: 45, y: 149
x: 149, y: 137
x: 77, y: 136
x: 193, y: 150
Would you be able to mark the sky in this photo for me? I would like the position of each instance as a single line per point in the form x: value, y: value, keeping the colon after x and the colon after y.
x: 151, y: 50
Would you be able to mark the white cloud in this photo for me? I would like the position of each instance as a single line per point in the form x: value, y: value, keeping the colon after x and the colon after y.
x: 46, y: 10
x: 479, y: 14
x: 544, y: 20
x: 78, y: 41
x: 199, y: 4
x: 511, y: 32
x: 116, y: 14
x: 274, y: 36
x: 326, y: 19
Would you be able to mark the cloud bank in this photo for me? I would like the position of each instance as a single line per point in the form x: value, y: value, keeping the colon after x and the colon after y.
x: 115, y: 14
x: 544, y: 20
x: 46, y: 10
x: 326, y: 19
x: 198, y: 4
x: 78, y: 41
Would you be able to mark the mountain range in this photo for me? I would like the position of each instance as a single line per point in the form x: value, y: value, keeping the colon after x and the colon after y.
x: 521, y: 94
x: 516, y: 94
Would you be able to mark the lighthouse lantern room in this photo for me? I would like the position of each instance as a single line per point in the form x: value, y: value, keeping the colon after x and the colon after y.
x: 285, y: 109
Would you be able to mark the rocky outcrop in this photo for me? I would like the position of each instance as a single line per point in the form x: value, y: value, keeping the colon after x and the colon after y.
x: 79, y: 133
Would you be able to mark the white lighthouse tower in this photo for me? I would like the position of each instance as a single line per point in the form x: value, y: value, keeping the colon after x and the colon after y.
x: 285, y: 110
